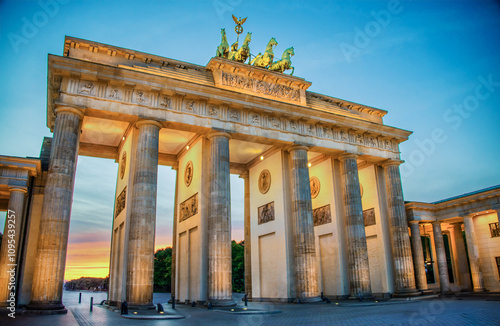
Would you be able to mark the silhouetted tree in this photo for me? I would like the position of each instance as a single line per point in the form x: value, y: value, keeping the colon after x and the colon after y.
x: 163, y: 270
x: 237, y: 253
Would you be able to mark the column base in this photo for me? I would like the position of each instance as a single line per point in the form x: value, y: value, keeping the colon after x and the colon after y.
x: 479, y: 290
x: 140, y: 306
x: 406, y: 294
x: 220, y: 303
x: 309, y: 300
x: 45, y: 308
x: 368, y: 296
x: 426, y: 291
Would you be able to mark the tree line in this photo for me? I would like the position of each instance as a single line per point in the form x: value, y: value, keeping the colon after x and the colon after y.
x: 163, y: 272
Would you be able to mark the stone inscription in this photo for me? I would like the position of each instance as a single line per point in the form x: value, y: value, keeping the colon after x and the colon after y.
x: 189, y: 207
x: 322, y: 215
x: 266, y: 213
x: 369, y: 216
x: 120, y: 202
x: 260, y: 87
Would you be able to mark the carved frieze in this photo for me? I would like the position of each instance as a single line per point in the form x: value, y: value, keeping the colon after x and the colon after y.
x: 123, y: 164
x: 213, y: 110
x: 266, y: 213
x: 120, y: 202
x: 260, y: 87
x: 189, y: 208
x: 369, y: 216
x: 322, y: 215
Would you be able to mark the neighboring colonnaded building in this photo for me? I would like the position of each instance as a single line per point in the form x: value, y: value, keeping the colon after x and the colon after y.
x: 324, y: 210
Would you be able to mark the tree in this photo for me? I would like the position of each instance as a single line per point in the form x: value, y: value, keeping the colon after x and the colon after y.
x: 238, y: 255
x: 163, y: 270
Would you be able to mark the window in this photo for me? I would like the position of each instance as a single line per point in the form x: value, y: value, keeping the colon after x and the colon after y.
x: 498, y: 265
x: 494, y: 230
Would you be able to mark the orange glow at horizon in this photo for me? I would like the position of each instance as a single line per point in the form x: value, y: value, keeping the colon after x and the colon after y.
x: 91, y: 259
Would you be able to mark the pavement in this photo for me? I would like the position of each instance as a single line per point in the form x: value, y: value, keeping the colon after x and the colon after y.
x: 449, y: 310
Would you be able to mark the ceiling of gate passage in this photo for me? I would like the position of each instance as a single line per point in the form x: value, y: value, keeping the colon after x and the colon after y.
x: 102, y: 133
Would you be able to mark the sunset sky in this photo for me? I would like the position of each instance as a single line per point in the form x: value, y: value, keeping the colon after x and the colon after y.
x: 434, y: 65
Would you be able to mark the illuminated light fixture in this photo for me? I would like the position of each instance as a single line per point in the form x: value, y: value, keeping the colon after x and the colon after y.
x: 232, y: 309
x: 187, y: 147
x: 262, y: 158
x: 135, y: 312
x: 161, y: 312
x: 123, y: 138
x: 309, y: 164
x: 244, y: 308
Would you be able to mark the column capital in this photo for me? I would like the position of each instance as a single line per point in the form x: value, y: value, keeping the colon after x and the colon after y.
x: 217, y: 133
x: 297, y: 147
x: 245, y: 175
x: 75, y: 111
x: 392, y: 162
x: 346, y: 156
x: 18, y: 189
x: 414, y: 222
x: 175, y: 166
x: 436, y: 222
x: 148, y: 122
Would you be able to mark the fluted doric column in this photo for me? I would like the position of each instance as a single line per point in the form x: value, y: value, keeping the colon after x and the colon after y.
x: 247, y: 237
x: 174, y: 236
x: 444, y: 279
x: 359, y: 270
x: 463, y: 269
x: 303, y: 227
x: 475, y: 266
x: 48, y: 277
x: 219, y: 222
x: 401, y: 249
x: 9, y: 251
x: 418, y: 256
x: 141, y: 239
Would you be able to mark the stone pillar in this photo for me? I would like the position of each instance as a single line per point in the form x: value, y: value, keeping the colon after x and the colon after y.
x: 9, y: 251
x: 475, y: 266
x: 174, y: 234
x: 461, y: 257
x: 418, y: 256
x: 404, y: 274
x: 48, y: 277
x: 219, y: 222
x: 247, y: 238
x: 141, y: 237
x: 359, y: 270
x: 444, y: 279
x: 306, y: 277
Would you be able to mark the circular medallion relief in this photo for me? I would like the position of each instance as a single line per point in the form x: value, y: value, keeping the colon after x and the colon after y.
x: 123, y: 164
x: 315, y: 187
x: 264, y: 181
x: 188, y: 174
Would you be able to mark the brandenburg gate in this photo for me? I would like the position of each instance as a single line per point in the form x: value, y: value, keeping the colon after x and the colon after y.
x: 324, y: 211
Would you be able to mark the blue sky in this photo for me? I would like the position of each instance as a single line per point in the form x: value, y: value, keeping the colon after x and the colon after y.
x: 434, y: 65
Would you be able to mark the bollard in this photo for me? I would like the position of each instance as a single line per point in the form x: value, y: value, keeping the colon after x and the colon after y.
x: 321, y: 295
x: 160, y: 308
x: 80, y: 298
x: 91, y: 303
x: 173, y: 302
x: 246, y: 300
x: 124, y: 310
x: 210, y: 305
x: 193, y: 304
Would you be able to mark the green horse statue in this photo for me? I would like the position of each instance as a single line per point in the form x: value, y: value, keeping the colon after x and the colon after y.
x: 223, y: 48
x: 264, y: 60
x: 285, y: 63
x: 241, y: 55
